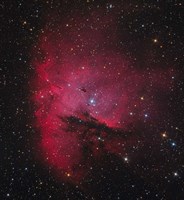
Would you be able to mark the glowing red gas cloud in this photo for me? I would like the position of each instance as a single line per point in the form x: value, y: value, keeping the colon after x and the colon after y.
x: 89, y: 95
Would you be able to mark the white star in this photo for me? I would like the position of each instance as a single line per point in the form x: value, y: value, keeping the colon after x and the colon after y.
x: 126, y: 159
x: 175, y: 173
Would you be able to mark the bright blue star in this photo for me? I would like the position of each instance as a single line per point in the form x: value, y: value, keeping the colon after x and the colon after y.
x: 92, y: 101
x: 173, y: 144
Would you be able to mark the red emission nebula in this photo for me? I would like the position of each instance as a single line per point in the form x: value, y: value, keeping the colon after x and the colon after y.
x: 90, y: 98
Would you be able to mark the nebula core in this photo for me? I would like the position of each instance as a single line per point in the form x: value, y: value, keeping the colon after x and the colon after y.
x: 91, y: 97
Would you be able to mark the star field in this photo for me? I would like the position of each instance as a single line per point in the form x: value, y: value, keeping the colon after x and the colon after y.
x: 92, y: 100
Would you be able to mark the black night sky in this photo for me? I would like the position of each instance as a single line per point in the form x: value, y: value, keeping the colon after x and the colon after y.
x: 92, y: 100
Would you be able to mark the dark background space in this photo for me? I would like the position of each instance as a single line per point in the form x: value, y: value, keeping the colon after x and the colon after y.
x: 154, y: 25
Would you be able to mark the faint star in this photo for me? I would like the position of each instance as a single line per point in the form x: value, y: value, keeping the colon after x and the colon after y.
x: 164, y: 135
x: 68, y: 174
